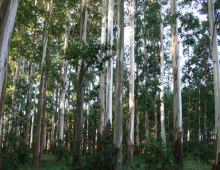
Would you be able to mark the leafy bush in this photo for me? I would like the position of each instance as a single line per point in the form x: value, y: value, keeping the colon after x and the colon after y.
x: 101, y: 159
x: 59, y: 150
x: 158, y: 156
x: 198, y: 150
x: 14, y: 153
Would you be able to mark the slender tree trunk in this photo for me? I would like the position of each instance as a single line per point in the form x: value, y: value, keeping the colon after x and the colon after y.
x: 63, y: 83
x: 40, y: 101
x: 14, y: 110
x: 102, y: 75
x: 28, y: 106
x: 43, y: 124
x: 155, y: 117
x: 177, y: 101
x: 118, y: 118
x: 80, y: 87
x: 162, y: 114
x: 147, y: 131
x: 8, y: 11
x: 108, y: 116
x: 130, y: 141
x: 215, y: 58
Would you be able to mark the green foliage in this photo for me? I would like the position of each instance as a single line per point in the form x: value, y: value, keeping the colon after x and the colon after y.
x: 14, y: 153
x: 102, y: 158
x: 59, y: 150
x: 198, y: 150
x: 158, y: 156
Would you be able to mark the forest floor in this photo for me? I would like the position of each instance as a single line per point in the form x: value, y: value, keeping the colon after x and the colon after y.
x: 50, y: 164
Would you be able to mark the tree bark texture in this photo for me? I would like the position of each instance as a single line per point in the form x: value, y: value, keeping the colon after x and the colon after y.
x: 102, y: 75
x: 130, y: 142
x: 109, y: 82
x: 118, y: 118
x: 80, y: 87
x: 177, y: 101
x: 215, y: 58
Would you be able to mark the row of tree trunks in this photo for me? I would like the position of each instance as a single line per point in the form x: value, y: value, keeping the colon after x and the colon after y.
x: 40, y: 101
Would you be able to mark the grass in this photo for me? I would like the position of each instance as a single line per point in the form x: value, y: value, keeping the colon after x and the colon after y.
x: 138, y: 164
x: 48, y: 163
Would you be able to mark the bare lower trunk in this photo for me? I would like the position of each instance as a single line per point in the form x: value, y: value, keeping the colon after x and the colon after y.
x: 118, y: 118
x: 130, y: 141
x: 78, y: 129
x: 43, y: 124
x: 8, y: 11
x: 177, y: 101
x: 216, y: 75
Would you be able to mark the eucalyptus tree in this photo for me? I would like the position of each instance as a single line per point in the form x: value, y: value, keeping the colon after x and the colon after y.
x: 109, y: 82
x: 80, y: 85
x: 102, y: 75
x: 130, y: 142
x: 8, y: 10
x: 40, y: 101
x: 162, y: 115
x: 118, y: 118
x: 177, y: 101
x: 216, y: 74
x: 64, y: 79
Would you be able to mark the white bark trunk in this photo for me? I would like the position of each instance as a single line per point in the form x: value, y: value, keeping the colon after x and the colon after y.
x: 215, y: 58
x: 177, y: 101
x: 118, y: 118
x: 81, y: 84
x: 162, y: 114
x: 131, y: 86
x: 108, y: 116
x: 102, y: 74
x: 64, y: 80
x: 8, y: 13
x: 32, y: 129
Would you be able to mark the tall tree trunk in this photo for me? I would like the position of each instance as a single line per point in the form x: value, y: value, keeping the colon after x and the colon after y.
x: 130, y: 141
x: 43, y: 124
x: 28, y: 106
x: 14, y: 110
x: 215, y: 58
x: 102, y: 75
x: 8, y: 11
x: 109, y: 82
x: 155, y: 117
x: 40, y: 101
x: 64, y: 79
x: 80, y: 87
x: 177, y: 103
x: 162, y: 114
x: 118, y: 118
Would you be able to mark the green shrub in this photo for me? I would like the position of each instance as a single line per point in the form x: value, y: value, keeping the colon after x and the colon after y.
x: 158, y: 156
x: 14, y: 153
x: 59, y: 150
x: 101, y: 159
